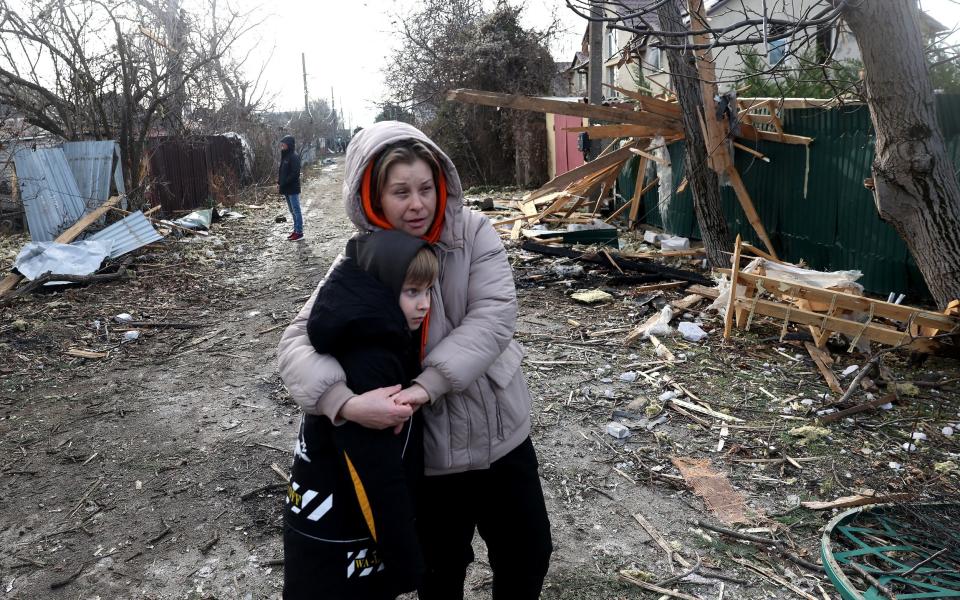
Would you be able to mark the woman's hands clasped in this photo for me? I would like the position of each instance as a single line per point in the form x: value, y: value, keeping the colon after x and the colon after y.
x: 385, y: 407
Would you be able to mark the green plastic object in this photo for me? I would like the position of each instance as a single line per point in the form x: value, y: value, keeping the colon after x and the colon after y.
x: 889, y: 541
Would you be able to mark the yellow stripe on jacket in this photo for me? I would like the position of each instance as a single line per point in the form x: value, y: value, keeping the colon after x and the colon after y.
x: 362, y: 497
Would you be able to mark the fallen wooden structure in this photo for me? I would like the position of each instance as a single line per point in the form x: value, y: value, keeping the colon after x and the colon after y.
x: 827, y: 311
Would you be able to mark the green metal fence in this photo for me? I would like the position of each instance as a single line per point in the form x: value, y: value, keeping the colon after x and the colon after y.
x: 811, y: 198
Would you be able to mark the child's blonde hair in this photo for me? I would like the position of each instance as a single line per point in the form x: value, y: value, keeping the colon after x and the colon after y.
x: 423, y: 269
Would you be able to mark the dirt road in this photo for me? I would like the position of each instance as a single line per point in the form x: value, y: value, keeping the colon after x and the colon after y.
x: 149, y: 473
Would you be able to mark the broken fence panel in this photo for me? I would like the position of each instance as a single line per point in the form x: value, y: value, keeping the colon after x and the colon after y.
x: 51, y: 198
x: 134, y: 231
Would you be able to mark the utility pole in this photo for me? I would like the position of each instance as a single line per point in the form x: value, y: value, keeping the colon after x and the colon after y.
x: 306, y: 97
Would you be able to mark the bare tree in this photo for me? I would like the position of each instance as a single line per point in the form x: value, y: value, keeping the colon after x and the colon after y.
x: 107, y: 69
x: 916, y: 187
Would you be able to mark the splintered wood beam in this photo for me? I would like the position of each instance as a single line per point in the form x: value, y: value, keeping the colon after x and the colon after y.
x: 637, y: 191
x: 716, y: 131
x: 751, y: 133
x: 649, y: 156
x: 853, y: 329
x: 649, y: 103
x: 845, y: 301
x: 747, y: 204
x: 751, y: 151
x: 774, y: 119
x: 560, y: 107
x: 728, y: 317
x: 638, y: 131
x: 823, y: 362
x: 561, y: 182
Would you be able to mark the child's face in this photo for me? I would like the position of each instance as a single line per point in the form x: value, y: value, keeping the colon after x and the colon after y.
x: 415, y: 303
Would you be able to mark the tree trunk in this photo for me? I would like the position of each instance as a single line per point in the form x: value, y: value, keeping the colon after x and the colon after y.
x: 704, y: 183
x: 916, y: 189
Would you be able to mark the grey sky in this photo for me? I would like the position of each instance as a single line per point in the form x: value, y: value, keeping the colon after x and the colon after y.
x: 346, y: 44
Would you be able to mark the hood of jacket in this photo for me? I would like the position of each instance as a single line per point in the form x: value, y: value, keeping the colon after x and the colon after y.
x: 386, y: 255
x: 290, y: 142
x: 367, y: 146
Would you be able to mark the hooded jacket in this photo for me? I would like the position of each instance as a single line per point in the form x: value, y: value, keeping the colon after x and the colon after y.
x: 369, y: 475
x: 288, y: 179
x: 479, y: 401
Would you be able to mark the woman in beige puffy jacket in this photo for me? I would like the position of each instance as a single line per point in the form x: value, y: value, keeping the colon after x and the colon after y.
x: 480, y: 466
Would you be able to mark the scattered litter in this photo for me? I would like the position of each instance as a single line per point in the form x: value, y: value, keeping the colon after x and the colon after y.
x: 809, y: 433
x: 618, y: 430
x: 908, y: 446
x: 662, y: 325
x: 130, y: 336
x: 691, y: 331
x: 945, y: 467
x: 123, y: 318
x: 668, y: 396
x: 918, y: 435
x: 567, y: 271
x: 675, y: 243
x: 721, y: 499
x: 629, y: 376
x: 78, y: 258
x: 198, y: 219
x: 592, y: 296
x: 947, y: 431
x: 850, y: 370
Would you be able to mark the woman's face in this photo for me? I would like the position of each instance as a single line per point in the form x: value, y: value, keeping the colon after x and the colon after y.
x: 409, y: 198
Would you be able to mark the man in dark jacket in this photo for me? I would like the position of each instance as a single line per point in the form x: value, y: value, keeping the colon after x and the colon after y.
x: 288, y: 181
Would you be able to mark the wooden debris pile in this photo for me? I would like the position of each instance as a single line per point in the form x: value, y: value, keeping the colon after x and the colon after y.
x: 827, y: 311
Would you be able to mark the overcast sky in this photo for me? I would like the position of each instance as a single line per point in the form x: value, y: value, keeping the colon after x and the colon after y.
x: 346, y: 44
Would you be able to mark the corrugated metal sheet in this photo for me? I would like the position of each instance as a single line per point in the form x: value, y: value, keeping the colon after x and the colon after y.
x: 51, y: 198
x: 819, y: 213
x: 195, y: 173
x: 133, y: 232
x: 95, y: 166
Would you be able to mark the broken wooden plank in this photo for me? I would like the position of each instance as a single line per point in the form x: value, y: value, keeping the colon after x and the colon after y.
x: 752, y: 152
x: 705, y: 291
x: 872, y: 332
x: 649, y: 156
x: 562, y: 182
x: 726, y: 503
x: 661, y: 541
x: 728, y: 317
x: 627, y: 265
x: 749, y: 132
x: 706, y: 411
x: 715, y: 130
x: 748, y: 208
x: 560, y: 107
x: 687, y: 302
x: 859, y: 408
x: 659, y: 286
x: 868, y: 497
x: 638, y: 191
x: 878, y: 308
x: 599, y: 132
x: 649, y: 103
x: 823, y: 362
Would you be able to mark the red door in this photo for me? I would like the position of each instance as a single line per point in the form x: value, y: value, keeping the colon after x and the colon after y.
x: 568, y: 157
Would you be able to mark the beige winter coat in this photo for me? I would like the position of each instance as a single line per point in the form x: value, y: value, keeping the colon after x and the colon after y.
x: 479, y: 401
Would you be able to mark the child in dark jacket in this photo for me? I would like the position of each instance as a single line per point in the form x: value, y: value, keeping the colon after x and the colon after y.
x: 350, y: 530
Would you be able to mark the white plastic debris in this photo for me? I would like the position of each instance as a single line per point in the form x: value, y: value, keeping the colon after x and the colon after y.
x: 618, y: 430
x: 947, y: 431
x: 667, y: 396
x: 918, y: 435
x: 629, y: 376
x: 806, y: 402
x: 850, y: 370
x: 662, y: 325
x: 691, y: 331
x: 887, y: 406
x: 675, y: 243
x: 131, y: 335
x: 894, y: 465
x: 123, y: 318
x: 908, y: 446
x: 567, y: 271
x: 652, y: 237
